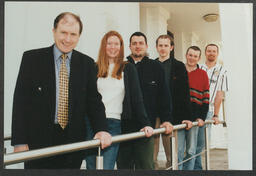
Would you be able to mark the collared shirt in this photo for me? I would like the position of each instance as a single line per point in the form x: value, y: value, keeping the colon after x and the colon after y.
x: 217, y: 80
x: 57, y: 61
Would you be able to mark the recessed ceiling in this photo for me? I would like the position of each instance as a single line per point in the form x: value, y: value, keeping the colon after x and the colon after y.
x: 188, y: 17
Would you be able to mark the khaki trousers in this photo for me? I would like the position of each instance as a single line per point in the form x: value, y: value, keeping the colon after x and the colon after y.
x: 166, y: 143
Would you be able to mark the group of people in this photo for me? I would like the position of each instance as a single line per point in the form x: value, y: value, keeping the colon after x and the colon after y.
x: 62, y: 96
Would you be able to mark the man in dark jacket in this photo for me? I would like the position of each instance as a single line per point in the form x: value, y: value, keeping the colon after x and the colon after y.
x: 55, y: 90
x: 177, y: 80
x: 157, y: 101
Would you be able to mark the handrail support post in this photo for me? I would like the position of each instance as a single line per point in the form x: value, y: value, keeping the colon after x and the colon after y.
x: 207, y: 149
x: 175, y: 150
x: 99, y: 160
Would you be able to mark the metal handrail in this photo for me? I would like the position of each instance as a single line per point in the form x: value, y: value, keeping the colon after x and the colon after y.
x: 7, y: 137
x: 13, y: 158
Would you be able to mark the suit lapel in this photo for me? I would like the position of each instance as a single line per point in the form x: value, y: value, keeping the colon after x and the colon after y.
x: 74, y: 82
x: 50, y: 67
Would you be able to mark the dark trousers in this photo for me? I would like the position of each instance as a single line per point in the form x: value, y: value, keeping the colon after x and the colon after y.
x: 64, y: 161
x: 136, y: 154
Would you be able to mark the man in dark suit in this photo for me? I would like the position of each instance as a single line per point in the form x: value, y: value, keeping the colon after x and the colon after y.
x: 55, y: 90
x: 177, y: 80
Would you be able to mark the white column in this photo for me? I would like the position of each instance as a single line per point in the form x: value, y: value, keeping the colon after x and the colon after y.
x: 183, y: 40
x: 236, y: 25
x: 178, y: 45
x: 153, y: 23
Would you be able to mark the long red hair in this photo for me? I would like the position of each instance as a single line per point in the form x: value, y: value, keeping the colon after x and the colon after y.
x: 103, y: 62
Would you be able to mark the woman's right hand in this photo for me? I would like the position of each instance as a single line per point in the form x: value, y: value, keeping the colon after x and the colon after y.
x: 148, y: 131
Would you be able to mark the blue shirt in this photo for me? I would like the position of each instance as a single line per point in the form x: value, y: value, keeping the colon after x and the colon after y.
x: 57, y: 61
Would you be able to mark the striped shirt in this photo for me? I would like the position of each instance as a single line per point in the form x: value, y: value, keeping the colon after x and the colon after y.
x: 217, y: 80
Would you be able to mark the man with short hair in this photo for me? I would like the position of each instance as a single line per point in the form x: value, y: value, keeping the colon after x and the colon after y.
x: 199, y: 103
x: 177, y: 82
x: 217, y: 75
x: 156, y: 97
x: 55, y: 90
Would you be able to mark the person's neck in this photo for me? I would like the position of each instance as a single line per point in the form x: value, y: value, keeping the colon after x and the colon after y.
x: 191, y: 68
x: 210, y: 64
x: 137, y: 59
x: 111, y: 60
x: 162, y: 59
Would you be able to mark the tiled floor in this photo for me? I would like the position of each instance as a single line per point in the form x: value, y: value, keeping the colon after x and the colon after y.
x: 218, y: 160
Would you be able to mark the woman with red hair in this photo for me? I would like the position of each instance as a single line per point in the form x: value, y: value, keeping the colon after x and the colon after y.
x: 119, y: 87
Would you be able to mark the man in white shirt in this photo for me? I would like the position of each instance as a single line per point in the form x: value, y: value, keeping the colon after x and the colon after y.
x: 218, y: 85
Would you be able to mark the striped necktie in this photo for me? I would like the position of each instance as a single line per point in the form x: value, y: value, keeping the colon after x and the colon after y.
x: 63, y: 93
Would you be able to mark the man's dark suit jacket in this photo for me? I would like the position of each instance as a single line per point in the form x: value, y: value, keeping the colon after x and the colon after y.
x: 179, y: 88
x: 180, y: 92
x: 35, y: 99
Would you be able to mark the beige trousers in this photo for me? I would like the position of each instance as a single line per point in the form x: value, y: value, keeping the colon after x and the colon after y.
x: 166, y: 143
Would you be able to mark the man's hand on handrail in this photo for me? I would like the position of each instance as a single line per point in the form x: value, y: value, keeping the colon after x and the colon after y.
x: 200, y: 122
x: 168, y: 126
x: 21, y: 148
x: 216, y: 120
x: 104, y: 137
x: 188, y: 123
x: 148, y: 131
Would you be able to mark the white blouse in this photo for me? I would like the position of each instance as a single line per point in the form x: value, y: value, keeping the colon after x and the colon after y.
x: 112, y: 92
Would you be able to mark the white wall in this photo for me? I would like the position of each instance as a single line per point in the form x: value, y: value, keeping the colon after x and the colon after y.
x: 236, y: 24
x: 29, y: 26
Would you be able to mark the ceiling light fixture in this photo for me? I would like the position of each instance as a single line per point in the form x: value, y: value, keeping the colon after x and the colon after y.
x: 211, y: 17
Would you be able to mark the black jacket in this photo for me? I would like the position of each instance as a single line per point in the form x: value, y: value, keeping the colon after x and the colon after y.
x: 35, y: 98
x: 156, y: 97
x: 179, y: 89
